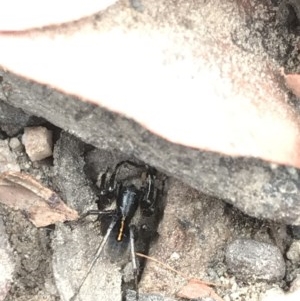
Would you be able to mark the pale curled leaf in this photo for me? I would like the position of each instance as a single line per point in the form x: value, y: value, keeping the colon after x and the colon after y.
x: 41, y: 205
x: 196, y: 289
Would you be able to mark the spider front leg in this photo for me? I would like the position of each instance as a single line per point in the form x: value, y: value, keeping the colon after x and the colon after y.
x: 109, y: 187
x: 99, y: 213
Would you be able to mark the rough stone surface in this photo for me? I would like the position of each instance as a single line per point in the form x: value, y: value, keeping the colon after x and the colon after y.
x: 13, y: 121
x: 37, y: 142
x: 74, y: 250
x: 8, y: 160
x: 6, y: 263
x: 293, y: 253
x: 249, y: 29
x: 180, y: 40
x: 69, y: 176
x: 256, y: 187
x: 248, y: 259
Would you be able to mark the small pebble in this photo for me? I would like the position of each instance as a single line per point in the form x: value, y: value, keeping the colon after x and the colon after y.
x: 38, y: 142
x: 15, y: 144
x: 293, y: 254
x: 249, y: 259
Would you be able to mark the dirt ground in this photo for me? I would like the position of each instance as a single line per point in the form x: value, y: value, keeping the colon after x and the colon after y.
x: 192, y: 236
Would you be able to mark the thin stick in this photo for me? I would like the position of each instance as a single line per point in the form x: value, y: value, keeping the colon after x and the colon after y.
x: 175, y: 271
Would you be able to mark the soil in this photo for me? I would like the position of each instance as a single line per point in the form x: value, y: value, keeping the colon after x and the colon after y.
x: 192, y: 236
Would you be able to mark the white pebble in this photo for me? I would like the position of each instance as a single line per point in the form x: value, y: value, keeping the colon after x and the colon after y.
x: 38, y: 142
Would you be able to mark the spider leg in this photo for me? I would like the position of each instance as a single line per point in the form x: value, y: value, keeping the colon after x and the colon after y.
x: 98, y: 212
x: 97, y: 255
x: 133, y: 260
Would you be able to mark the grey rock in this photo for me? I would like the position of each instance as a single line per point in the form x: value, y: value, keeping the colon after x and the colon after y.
x: 69, y: 176
x: 249, y: 259
x: 252, y: 185
x: 13, y: 120
x: 73, y: 251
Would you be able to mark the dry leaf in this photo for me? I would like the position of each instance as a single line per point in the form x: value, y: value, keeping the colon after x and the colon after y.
x: 40, y: 204
x: 196, y: 289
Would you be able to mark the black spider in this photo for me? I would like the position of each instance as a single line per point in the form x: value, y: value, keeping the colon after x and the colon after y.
x: 122, y: 230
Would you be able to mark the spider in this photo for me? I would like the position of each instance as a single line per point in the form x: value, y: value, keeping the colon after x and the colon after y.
x: 122, y: 230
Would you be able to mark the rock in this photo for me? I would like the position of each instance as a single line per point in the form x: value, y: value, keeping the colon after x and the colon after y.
x: 37, y: 142
x: 293, y: 254
x: 249, y: 259
x: 6, y: 263
x: 263, y: 195
x: 69, y: 175
x: 13, y: 120
x: 15, y: 144
x: 253, y: 185
x: 7, y: 158
x: 73, y: 251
